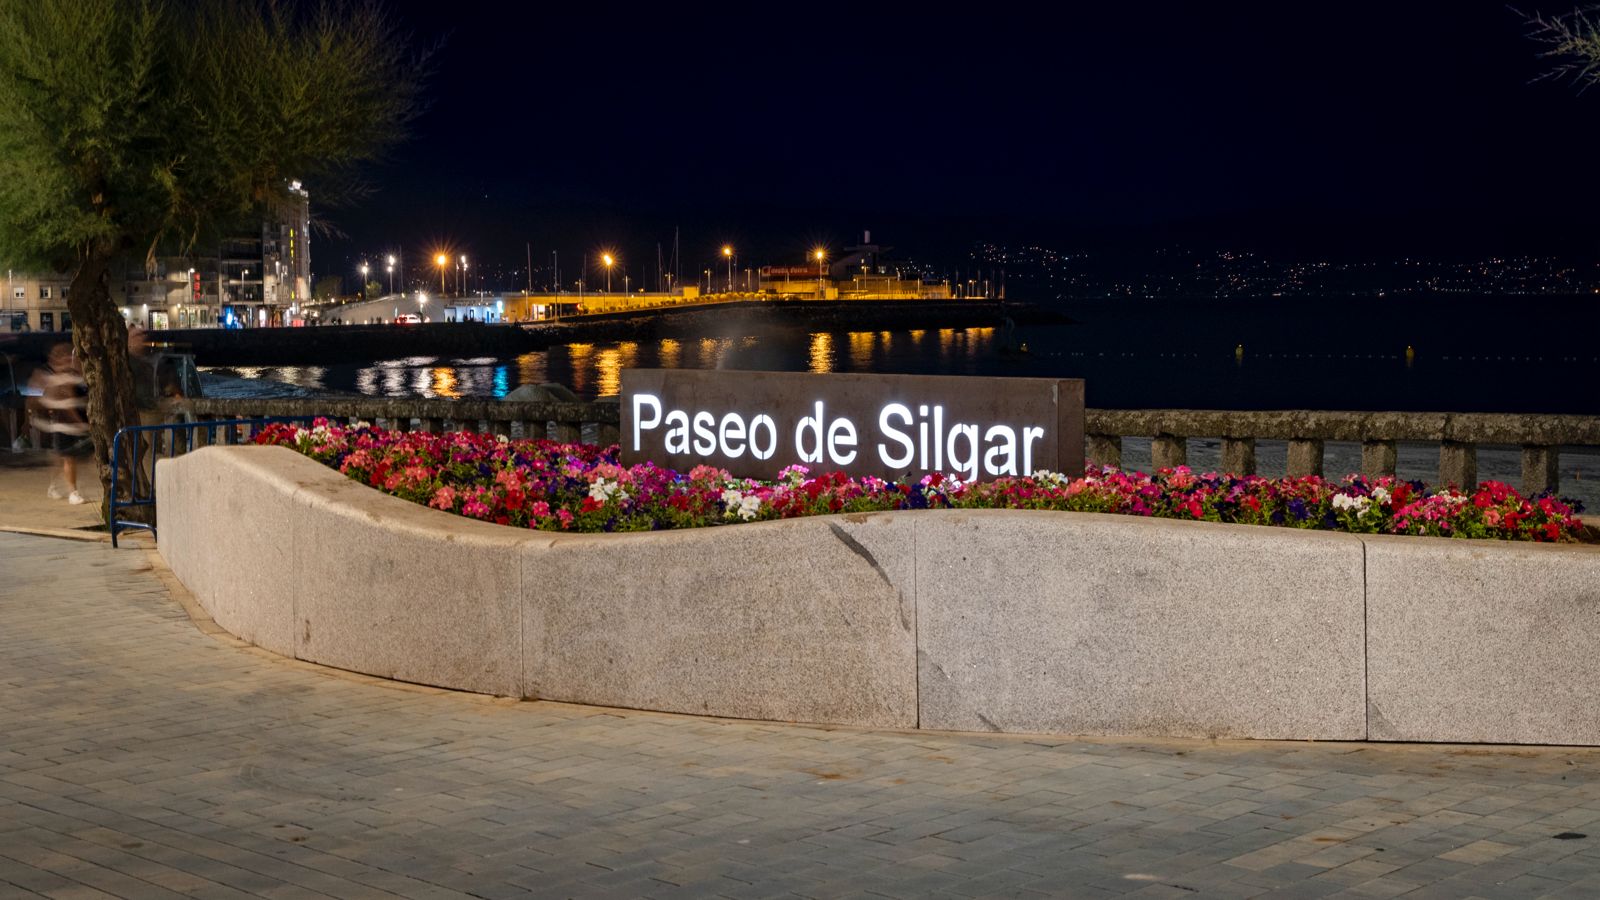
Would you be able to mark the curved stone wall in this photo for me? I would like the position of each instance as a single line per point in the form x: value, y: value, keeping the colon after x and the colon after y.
x: 1009, y: 621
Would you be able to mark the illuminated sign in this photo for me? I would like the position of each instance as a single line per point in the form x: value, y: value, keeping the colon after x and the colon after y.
x: 756, y: 423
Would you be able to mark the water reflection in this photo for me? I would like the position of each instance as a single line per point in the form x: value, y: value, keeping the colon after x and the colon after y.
x: 821, y: 353
x: 578, y: 357
x: 860, y: 350
x: 533, y: 368
x: 595, y: 369
x: 609, y: 365
x: 444, y: 383
x: 667, y: 357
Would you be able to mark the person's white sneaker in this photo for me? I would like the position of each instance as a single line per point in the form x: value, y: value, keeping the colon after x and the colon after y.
x: 75, y: 498
x: 54, y: 493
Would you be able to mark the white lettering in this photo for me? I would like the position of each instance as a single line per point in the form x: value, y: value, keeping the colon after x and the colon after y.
x: 903, y: 413
x: 730, y: 436
x: 705, y: 440
x: 841, y: 433
x: 964, y: 465
x: 812, y: 424
x: 922, y: 444
x: 639, y: 402
x: 756, y: 424
x: 677, y: 431
x: 1006, y: 447
x: 1029, y: 435
x: 938, y: 445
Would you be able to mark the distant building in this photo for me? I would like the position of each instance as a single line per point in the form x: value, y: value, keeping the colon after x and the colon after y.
x: 862, y: 272
x: 250, y: 279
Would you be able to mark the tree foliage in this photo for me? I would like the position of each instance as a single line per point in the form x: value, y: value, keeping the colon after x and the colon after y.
x: 146, y: 125
x: 1572, y: 44
x: 131, y: 129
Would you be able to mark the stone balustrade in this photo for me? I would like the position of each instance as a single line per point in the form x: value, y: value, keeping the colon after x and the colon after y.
x: 1458, y: 435
x: 560, y: 421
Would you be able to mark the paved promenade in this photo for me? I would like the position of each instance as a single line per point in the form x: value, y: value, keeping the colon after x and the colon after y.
x: 141, y: 756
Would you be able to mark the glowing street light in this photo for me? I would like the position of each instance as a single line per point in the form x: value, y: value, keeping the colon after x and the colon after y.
x: 727, y: 251
x: 610, y: 261
x: 441, y: 261
x: 364, y: 270
x: 390, y: 267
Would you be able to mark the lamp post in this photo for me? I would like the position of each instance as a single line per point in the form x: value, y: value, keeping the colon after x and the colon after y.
x: 821, y: 256
x: 364, y: 270
x: 727, y: 253
x: 390, y: 267
x: 609, y: 260
x: 441, y: 261
x: 461, y: 276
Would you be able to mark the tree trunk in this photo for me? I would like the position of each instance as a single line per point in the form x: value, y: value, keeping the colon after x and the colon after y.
x: 100, y: 339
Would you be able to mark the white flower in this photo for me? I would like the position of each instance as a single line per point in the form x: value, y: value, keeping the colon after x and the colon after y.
x: 749, y: 507
x: 744, y: 506
x: 1054, y: 479
x: 1380, y: 494
x: 1345, y: 501
x: 602, y: 490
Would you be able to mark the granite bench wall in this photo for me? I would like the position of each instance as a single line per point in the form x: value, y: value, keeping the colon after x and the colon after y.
x: 1013, y: 621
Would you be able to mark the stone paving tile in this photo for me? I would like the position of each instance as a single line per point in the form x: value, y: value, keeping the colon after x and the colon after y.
x: 141, y: 757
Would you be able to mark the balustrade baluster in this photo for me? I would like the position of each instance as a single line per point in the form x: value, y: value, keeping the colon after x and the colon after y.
x: 1305, y: 457
x: 1377, y: 458
x: 1104, y: 450
x: 566, y: 432
x: 1458, y: 464
x: 609, y: 434
x: 1541, y: 468
x: 1239, y: 455
x: 1169, y: 451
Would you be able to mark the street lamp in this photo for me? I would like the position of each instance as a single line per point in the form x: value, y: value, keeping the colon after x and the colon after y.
x: 609, y: 260
x: 441, y: 260
x: 390, y: 267
x: 727, y: 252
x: 364, y: 270
x: 461, y: 277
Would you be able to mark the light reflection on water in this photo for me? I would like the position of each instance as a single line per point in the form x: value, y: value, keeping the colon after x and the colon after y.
x: 595, y: 369
x: 821, y: 357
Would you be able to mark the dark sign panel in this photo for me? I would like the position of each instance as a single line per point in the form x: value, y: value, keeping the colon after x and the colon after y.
x: 755, y: 423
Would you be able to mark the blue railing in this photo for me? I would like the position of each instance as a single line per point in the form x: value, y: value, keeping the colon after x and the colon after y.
x: 142, y: 445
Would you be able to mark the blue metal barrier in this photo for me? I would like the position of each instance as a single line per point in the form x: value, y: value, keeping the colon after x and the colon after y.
x: 141, y: 443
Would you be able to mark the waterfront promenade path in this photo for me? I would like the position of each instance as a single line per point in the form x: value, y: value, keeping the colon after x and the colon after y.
x: 145, y: 755
x: 24, y: 478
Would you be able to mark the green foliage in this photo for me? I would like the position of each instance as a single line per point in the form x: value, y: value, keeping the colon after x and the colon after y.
x: 138, y: 126
x: 328, y: 287
x: 1572, y: 43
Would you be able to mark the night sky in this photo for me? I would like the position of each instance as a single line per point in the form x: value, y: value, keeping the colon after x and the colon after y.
x: 1348, y: 126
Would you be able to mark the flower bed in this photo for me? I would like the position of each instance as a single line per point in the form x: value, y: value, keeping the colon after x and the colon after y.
x: 579, y: 487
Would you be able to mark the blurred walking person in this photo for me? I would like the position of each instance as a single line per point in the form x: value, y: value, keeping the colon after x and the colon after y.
x: 60, y: 402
